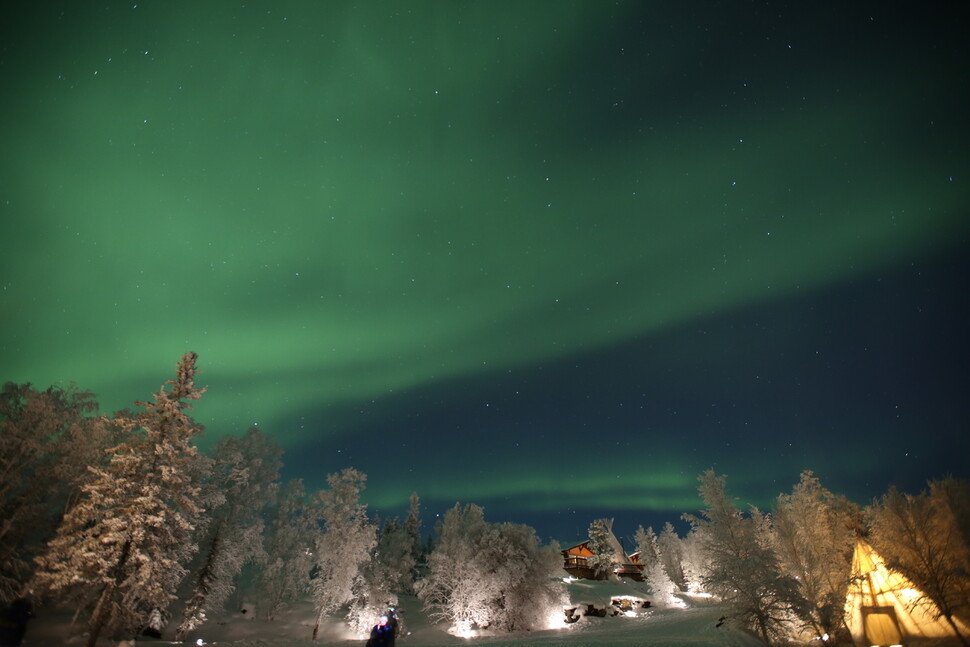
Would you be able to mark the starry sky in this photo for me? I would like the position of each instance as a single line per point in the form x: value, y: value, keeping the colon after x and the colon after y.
x: 556, y: 259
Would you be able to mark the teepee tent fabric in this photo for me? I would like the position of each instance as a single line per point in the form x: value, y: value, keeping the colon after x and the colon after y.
x: 883, y: 607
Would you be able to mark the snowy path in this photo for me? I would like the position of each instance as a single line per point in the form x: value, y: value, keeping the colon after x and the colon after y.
x: 689, y: 627
x: 694, y: 627
x: 662, y: 627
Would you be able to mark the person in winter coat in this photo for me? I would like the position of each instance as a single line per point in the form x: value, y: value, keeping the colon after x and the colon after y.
x: 384, y: 632
x: 382, y: 635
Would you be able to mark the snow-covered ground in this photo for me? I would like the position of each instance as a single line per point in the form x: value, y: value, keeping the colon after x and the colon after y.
x: 693, y: 624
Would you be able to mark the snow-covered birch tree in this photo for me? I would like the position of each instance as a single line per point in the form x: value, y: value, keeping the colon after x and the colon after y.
x: 814, y: 534
x: 490, y: 575
x: 344, y: 545
x: 744, y: 570
x: 124, y: 546
x: 245, y: 472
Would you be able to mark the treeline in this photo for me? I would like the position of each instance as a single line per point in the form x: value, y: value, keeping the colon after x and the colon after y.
x: 124, y: 518
x: 785, y: 574
x: 123, y: 515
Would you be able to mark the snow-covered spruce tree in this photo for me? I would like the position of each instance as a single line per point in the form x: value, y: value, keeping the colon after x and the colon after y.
x: 47, y: 442
x: 493, y: 576
x: 695, y: 561
x: 283, y: 573
x: 744, y: 571
x: 814, y: 533
x: 602, y: 546
x: 395, y: 553
x: 123, y: 547
x: 245, y: 471
x: 671, y: 552
x: 646, y: 542
x: 343, y: 547
x: 920, y: 536
x: 661, y: 586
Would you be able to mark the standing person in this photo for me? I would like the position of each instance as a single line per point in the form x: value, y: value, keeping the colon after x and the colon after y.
x: 392, y: 624
x: 382, y: 635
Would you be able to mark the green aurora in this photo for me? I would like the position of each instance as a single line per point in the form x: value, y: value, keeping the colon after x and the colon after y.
x: 398, y: 228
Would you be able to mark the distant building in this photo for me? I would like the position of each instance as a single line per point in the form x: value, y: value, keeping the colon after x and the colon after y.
x: 576, y: 561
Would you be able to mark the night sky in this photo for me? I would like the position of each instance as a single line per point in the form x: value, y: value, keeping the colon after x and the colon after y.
x: 553, y: 258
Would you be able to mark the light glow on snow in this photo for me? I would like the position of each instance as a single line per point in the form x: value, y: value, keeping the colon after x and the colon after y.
x: 463, y: 630
x: 555, y: 620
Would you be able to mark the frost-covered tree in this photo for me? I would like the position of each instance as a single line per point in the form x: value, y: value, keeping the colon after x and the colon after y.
x: 744, y: 570
x: 391, y: 570
x: 245, y: 472
x: 814, y: 533
x: 283, y: 573
x: 603, y: 547
x: 383, y: 576
x: 672, y: 554
x: 495, y: 576
x: 343, y: 547
x: 661, y: 586
x: 124, y: 546
x: 695, y: 561
x: 47, y: 441
x: 920, y: 536
x: 646, y: 542
x: 454, y: 588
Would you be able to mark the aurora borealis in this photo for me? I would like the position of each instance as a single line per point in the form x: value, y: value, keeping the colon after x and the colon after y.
x: 552, y: 258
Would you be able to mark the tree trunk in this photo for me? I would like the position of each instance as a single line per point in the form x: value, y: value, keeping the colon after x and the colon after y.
x: 316, y: 627
x: 956, y: 630
x: 763, y: 628
x: 100, y: 614
x: 202, y: 588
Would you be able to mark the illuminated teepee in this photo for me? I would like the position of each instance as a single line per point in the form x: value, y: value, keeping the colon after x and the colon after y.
x: 884, y: 608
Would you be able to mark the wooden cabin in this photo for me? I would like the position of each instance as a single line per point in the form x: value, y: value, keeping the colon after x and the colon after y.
x: 576, y: 563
